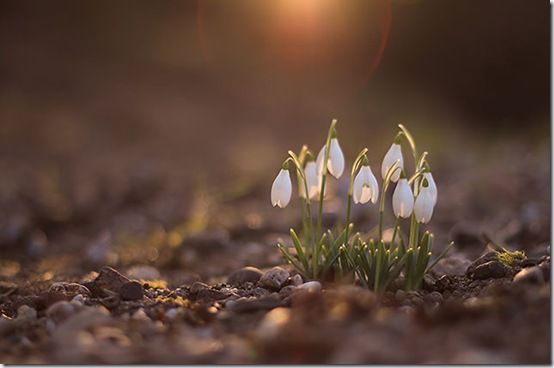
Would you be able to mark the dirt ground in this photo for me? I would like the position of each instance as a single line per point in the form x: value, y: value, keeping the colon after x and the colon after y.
x: 135, y: 181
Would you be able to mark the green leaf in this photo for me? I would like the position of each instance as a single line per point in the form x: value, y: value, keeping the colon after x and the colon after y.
x: 299, y: 249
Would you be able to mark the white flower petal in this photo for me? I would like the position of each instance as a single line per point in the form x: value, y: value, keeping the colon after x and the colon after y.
x: 281, y: 190
x: 336, y: 159
x: 403, y: 199
x: 365, y: 187
x: 423, y: 207
x: 394, y: 153
x: 312, y: 179
x: 432, y: 186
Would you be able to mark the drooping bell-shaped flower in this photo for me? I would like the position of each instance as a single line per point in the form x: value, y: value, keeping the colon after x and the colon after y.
x: 424, y: 205
x: 432, y: 185
x: 365, y: 187
x: 393, y: 154
x: 281, y: 190
x: 335, y: 165
x: 312, y: 181
x: 403, y: 199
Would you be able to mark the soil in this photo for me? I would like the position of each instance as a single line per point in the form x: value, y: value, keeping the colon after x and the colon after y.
x: 116, y: 273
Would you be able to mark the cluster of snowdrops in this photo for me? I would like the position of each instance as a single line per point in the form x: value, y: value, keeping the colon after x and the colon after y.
x: 347, y: 255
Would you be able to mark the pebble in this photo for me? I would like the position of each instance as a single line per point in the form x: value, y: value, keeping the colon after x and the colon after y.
x: 490, y: 269
x: 60, y: 311
x: 69, y: 289
x: 26, y: 313
x: 532, y: 275
x: 171, y: 313
x: 287, y: 290
x: 131, y: 290
x: 78, y: 300
x: 108, y: 279
x: 140, y: 314
x: 296, y: 280
x: 143, y: 272
x: 310, y: 287
x: 197, y: 286
x: 400, y: 295
x: 275, y: 278
x: 244, y: 275
x: 211, y: 294
x: 243, y: 305
x: 454, y: 265
x: 434, y: 297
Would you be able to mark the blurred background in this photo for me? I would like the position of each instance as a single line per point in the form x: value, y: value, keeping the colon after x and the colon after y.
x: 107, y: 107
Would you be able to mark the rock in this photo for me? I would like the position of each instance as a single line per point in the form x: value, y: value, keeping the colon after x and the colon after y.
x: 434, y: 297
x: 296, y: 280
x: 197, y: 286
x: 60, y: 311
x: 69, y: 289
x: 455, y: 265
x: 78, y: 300
x: 259, y: 292
x: 491, y: 269
x: 244, y: 275
x: 487, y: 257
x: 171, y: 313
x: 131, y: 290
x: 143, y: 272
x: 211, y: 294
x: 244, y: 305
x: 140, y: 314
x: 310, y: 287
x: 428, y: 283
x: 275, y: 278
x: 26, y: 313
x: 108, y: 279
x: 273, y: 322
x: 400, y: 295
x: 286, y: 291
x: 532, y: 275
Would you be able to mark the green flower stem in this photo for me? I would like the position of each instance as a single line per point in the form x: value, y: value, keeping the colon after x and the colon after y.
x: 302, y: 176
x: 321, y: 195
x: 355, y: 167
x: 396, y: 226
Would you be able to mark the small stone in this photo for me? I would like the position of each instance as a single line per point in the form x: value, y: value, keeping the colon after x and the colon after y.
x: 211, y: 294
x: 275, y: 278
x: 532, y: 275
x: 310, y: 287
x: 428, y: 283
x: 434, y: 297
x: 26, y: 313
x: 287, y: 290
x: 244, y: 305
x: 400, y: 295
x: 140, y: 314
x: 259, y: 292
x: 406, y: 309
x: 455, y: 265
x: 107, y: 279
x: 197, y: 286
x: 131, y: 290
x: 491, y: 269
x: 171, y: 313
x: 60, y: 311
x: 69, y: 289
x: 244, y: 275
x: 143, y: 272
x: 78, y: 300
x: 296, y: 280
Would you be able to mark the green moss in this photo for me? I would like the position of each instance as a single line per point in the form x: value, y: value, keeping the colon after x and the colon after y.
x: 510, y: 258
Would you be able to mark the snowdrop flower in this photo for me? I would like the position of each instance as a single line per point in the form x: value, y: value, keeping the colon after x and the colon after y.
x: 312, y: 181
x: 394, y: 153
x: 403, y: 199
x: 281, y: 190
x: 432, y: 186
x: 424, y: 204
x: 335, y: 165
x: 365, y: 186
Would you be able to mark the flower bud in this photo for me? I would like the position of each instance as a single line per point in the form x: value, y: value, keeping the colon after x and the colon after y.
x: 424, y: 205
x: 403, y: 199
x: 335, y: 165
x: 393, y: 154
x: 365, y: 186
x: 281, y: 190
